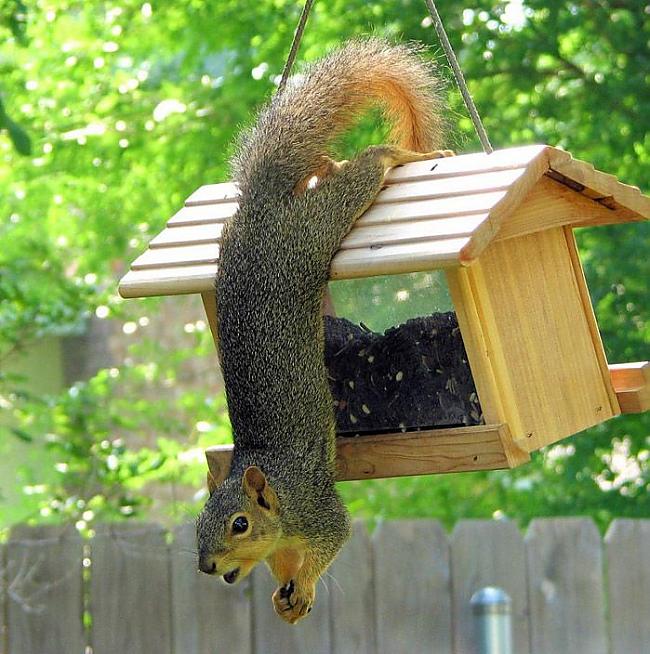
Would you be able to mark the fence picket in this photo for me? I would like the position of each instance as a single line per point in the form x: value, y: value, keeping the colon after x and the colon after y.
x: 628, y: 556
x: 130, y: 590
x: 45, y: 601
x: 565, y: 587
x: 207, y: 616
x: 412, y: 587
x: 352, y: 596
x: 488, y: 553
x: 271, y: 634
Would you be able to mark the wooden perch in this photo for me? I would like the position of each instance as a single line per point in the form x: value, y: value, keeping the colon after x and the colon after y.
x: 631, y: 382
x: 460, y: 449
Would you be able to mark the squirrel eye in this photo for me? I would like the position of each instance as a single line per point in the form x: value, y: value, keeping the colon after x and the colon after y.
x: 239, y: 525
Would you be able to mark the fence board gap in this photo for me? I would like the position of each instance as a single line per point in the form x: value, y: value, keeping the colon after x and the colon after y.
x: 45, y: 597
x: 412, y: 587
x: 272, y: 634
x: 628, y: 569
x: 488, y: 553
x: 565, y: 586
x: 130, y: 589
x: 352, y: 596
x: 207, y: 616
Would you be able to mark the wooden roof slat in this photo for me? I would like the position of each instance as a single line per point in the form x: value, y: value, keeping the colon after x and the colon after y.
x: 168, y: 281
x: 199, y: 214
x: 396, y: 259
x: 450, y: 187
x: 429, y: 209
x: 355, y: 262
x: 467, y: 164
x: 183, y: 255
x: 188, y: 235
x: 213, y: 193
x: 362, y: 236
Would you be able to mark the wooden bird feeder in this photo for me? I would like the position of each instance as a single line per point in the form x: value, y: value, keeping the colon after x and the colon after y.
x: 501, y: 226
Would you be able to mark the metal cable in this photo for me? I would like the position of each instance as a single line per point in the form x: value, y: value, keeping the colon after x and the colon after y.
x: 460, y: 79
x: 297, y: 37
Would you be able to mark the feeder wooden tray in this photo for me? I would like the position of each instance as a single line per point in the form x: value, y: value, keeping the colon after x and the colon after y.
x: 501, y: 225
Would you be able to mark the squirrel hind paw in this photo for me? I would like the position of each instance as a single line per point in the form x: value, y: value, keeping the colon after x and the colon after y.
x: 291, y: 604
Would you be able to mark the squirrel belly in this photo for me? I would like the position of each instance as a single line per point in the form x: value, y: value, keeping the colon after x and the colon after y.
x: 279, y: 503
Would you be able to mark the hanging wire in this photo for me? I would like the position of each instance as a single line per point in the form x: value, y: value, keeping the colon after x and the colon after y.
x: 297, y: 37
x: 460, y: 79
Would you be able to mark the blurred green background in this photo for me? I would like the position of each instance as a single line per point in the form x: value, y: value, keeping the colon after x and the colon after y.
x: 111, y: 113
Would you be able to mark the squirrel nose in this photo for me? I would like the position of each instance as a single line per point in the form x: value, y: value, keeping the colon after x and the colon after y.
x: 207, y: 565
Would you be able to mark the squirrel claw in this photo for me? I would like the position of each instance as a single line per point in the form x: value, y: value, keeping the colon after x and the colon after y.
x: 286, y: 591
x: 290, y: 604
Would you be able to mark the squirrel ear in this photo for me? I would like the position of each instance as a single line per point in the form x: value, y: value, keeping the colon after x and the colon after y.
x: 254, y: 480
x: 256, y: 487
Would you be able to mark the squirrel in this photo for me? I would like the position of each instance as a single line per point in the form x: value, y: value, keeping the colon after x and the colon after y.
x: 279, y: 503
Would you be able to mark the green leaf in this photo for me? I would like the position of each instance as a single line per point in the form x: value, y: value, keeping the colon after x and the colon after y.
x: 22, y: 434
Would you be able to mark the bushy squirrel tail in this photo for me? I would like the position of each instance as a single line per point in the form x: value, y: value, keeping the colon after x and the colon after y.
x: 294, y: 130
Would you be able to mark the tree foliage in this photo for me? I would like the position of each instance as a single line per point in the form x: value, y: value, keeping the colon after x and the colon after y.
x: 112, y: 112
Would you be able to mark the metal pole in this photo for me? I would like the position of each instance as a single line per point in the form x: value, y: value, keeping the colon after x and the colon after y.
x: 492, y: 609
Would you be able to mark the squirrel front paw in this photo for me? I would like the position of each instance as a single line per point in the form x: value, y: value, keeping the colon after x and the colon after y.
x: 292, y: 603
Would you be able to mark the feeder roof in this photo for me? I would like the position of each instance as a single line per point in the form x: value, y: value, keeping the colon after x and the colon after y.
x: 430, y: 214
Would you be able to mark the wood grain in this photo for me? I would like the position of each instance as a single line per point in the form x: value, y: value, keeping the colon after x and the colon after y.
x: 566, y: 594
x: 210, y: 305
x: 630, y: 376
x: 205, y: 613
x: 461, y: 185
x: 203, y: 214
x: 168, y: 281
x: 445, y: 207
x: 485, y: 356
x: 412, y: 587
x: 626, y: 200
x: 130, y: 561
x: 396, y: 259
x: 542, y: 342
x: 45, y: 603
x: 631, y: 382
x: 213, y: 193
x: 352, y: 598
x: 181, y: 255
x: 188, y: 235
x: 468, y: 164
x: 628, y: 571
x: 458, y: 449
x: 590, y: 317
x: 552, y: 204
x: 488, y: 553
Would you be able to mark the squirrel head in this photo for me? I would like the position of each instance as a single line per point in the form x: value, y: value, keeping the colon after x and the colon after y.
x: 239, y: 525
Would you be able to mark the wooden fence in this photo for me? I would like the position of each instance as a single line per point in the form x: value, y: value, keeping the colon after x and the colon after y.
x: 133, y: 589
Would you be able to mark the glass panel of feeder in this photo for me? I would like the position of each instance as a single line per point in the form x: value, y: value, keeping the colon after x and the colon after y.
x: 395, y: 356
